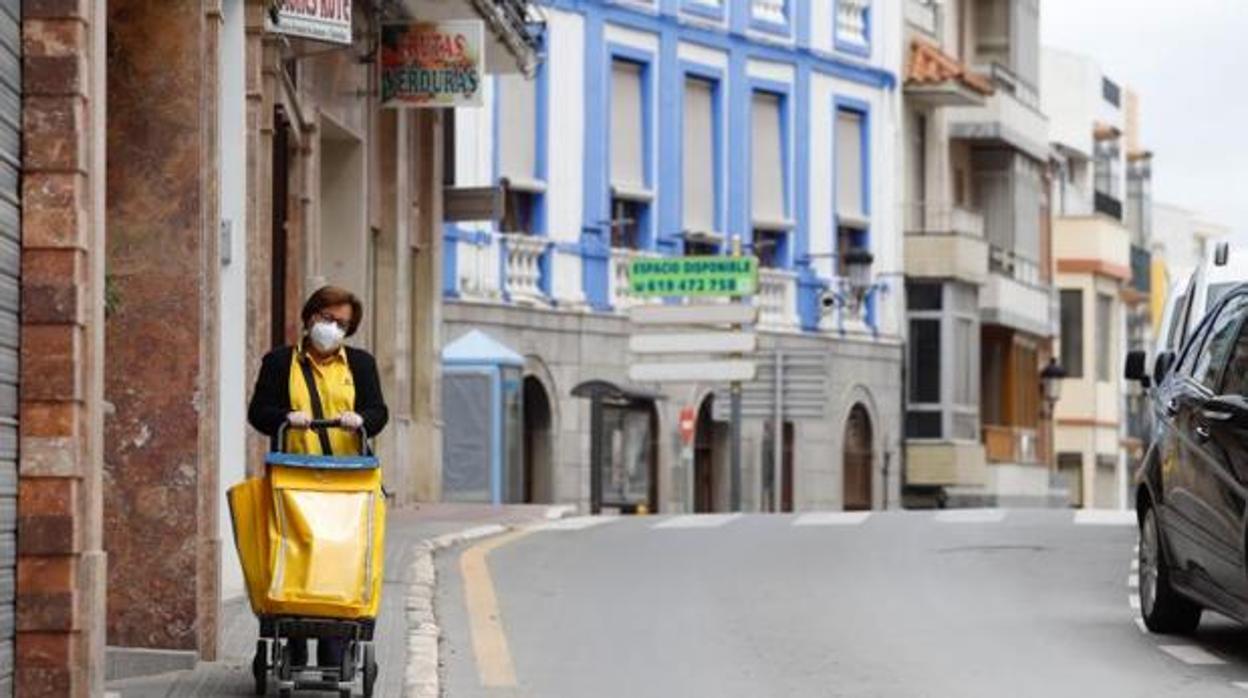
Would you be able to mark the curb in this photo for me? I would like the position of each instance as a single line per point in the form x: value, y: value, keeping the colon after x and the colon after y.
x: 421, y: 677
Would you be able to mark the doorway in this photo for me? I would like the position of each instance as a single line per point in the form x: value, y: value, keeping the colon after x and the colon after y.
x: 538, y: 450
x: 857, y: 459
x: 710, y: 453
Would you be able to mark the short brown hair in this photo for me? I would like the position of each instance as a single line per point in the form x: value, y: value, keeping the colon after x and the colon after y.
x: 328, y: 296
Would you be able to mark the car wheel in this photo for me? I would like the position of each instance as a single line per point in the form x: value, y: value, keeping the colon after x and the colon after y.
x: 1163, y: 609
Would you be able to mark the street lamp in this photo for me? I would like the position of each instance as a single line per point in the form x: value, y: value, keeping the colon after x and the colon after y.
x: 854, y: 287
x: 1051, y: 382
x: 1051, y: 378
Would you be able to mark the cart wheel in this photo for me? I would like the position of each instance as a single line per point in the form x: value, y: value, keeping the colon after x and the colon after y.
x: 283, y: 664
x: 346, y: 672
x: 260, y: 667
x: 370, y: 669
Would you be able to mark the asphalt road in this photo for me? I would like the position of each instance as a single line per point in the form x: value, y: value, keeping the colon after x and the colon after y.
x: 958, y: 603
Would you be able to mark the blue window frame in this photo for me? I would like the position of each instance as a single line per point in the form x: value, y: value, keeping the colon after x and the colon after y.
x: 630, y: 211
x: 853, y: 48
x: 714, y: 78
x: 772, y: 240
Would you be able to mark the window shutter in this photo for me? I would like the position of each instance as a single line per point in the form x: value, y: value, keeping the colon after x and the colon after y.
x: 518, y: 128
x: 768, y: 163
x: 849, y: 169
x: 627, y: 118
x: 699, y: 157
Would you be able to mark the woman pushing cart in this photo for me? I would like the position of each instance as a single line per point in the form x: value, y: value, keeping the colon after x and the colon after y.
x: 310, y: 531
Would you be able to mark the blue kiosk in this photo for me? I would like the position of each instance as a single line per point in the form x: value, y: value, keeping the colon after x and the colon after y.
x: 483, y: 421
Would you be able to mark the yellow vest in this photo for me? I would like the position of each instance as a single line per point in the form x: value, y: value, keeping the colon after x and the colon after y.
x: 336, y: 388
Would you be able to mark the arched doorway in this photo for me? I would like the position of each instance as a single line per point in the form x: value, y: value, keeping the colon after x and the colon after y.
x: 538, y: 449
x: 710, y: 486
x: 857, y: 459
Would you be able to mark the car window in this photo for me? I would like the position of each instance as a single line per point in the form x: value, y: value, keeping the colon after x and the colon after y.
x: 1176, y: 320
x: 1235, y: 380
x: 1223, y: 334
x: 1191, y: 349
x: 1216, y: 291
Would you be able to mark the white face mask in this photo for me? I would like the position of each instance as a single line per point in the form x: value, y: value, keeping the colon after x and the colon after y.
x: 326, y: 336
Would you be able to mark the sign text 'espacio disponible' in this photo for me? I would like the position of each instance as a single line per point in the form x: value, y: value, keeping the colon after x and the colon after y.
x: 320, y: 20
x: 432, y: 64
x: 693, y: 276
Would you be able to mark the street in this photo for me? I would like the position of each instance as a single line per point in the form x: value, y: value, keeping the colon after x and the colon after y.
x: 952, y: 603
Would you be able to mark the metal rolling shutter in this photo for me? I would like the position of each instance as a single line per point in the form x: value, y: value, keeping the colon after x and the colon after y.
x: 10, y: 269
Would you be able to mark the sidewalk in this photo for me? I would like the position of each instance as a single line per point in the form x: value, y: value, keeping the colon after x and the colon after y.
x: 231, y: 676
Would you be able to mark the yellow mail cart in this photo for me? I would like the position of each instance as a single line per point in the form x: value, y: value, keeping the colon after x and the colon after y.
x: 311, y: 538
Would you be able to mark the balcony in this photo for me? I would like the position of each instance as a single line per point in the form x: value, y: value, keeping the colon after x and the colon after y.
x: 522, y: 267
x: 618, y: 287
x: 777, y: 300
x: 769, y: 11
x: 1010, y: 117
x: 1006, y: 444
x: 852, y: 24
x: 1108, y: 205
x: 923, y: 15
x: 1015, y: 296
x: 1092, y: 244
x: 945, y: 243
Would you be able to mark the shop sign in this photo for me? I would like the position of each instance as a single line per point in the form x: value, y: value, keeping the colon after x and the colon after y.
x: 320, y: 20
x: 432, y: 64
x: 693, y: 276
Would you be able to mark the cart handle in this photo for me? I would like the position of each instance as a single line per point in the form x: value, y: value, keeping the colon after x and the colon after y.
x: 365, y: 448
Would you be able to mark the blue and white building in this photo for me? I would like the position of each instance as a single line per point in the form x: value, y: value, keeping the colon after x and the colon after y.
x: 668, y: 127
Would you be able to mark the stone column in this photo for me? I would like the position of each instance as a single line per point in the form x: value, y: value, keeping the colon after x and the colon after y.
x: 426, y: 303
x: 160, y: 497
x: 60, y: 578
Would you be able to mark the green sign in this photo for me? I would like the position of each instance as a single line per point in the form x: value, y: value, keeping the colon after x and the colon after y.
x: 693, y: 276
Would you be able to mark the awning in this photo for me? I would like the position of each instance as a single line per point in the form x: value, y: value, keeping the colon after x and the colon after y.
x: 607, y: 391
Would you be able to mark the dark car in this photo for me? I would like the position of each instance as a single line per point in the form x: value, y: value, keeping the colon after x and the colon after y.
x: 1192, y: 485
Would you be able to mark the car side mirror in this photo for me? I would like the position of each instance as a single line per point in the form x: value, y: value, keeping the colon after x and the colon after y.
x: 1136, y: 369
x: 1162, y: 366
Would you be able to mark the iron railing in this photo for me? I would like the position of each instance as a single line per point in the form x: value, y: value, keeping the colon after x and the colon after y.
x: 1108, y: 205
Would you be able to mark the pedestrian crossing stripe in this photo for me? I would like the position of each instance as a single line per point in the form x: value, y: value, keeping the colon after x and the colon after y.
x: 970, y: 516
x: 832, y: 518
x: 1105, y: 517
x: 697, y: 521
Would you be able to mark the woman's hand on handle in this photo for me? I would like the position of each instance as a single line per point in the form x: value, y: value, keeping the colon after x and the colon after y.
x: 350, y: 420
x: 299, y: 420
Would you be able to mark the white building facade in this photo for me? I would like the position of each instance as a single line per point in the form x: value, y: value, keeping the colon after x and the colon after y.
x: 668, y: 127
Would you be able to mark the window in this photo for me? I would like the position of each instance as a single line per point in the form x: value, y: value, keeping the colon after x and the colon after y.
x: 772, y: 248
x: 850, y: 201
x: 1223, y: 337
x: 519, y: 211
x: 768, y: 181
x: 992, y: 31
x: 943, y: 378
x: 1104, y: 335
x: 1072, y: 332
x: 517, y: 153
x: 700, y: 174
x: 1235, y: 381
x: 1111, y: 92
x: 630, y: 195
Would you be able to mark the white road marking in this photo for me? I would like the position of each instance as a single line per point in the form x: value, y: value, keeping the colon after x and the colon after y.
x: 970, y: 516
x: 1105, y: 517
x: 1191, y: 654
x: 576, y: 523
x: 1139, y: 623
x: 1133, y: 582
x: 1243, y: 685
x: 697, y: 521
x: 832, y: 518
x: 1135, y: 564
x: 1134, y: 602
x: 560, y: 511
